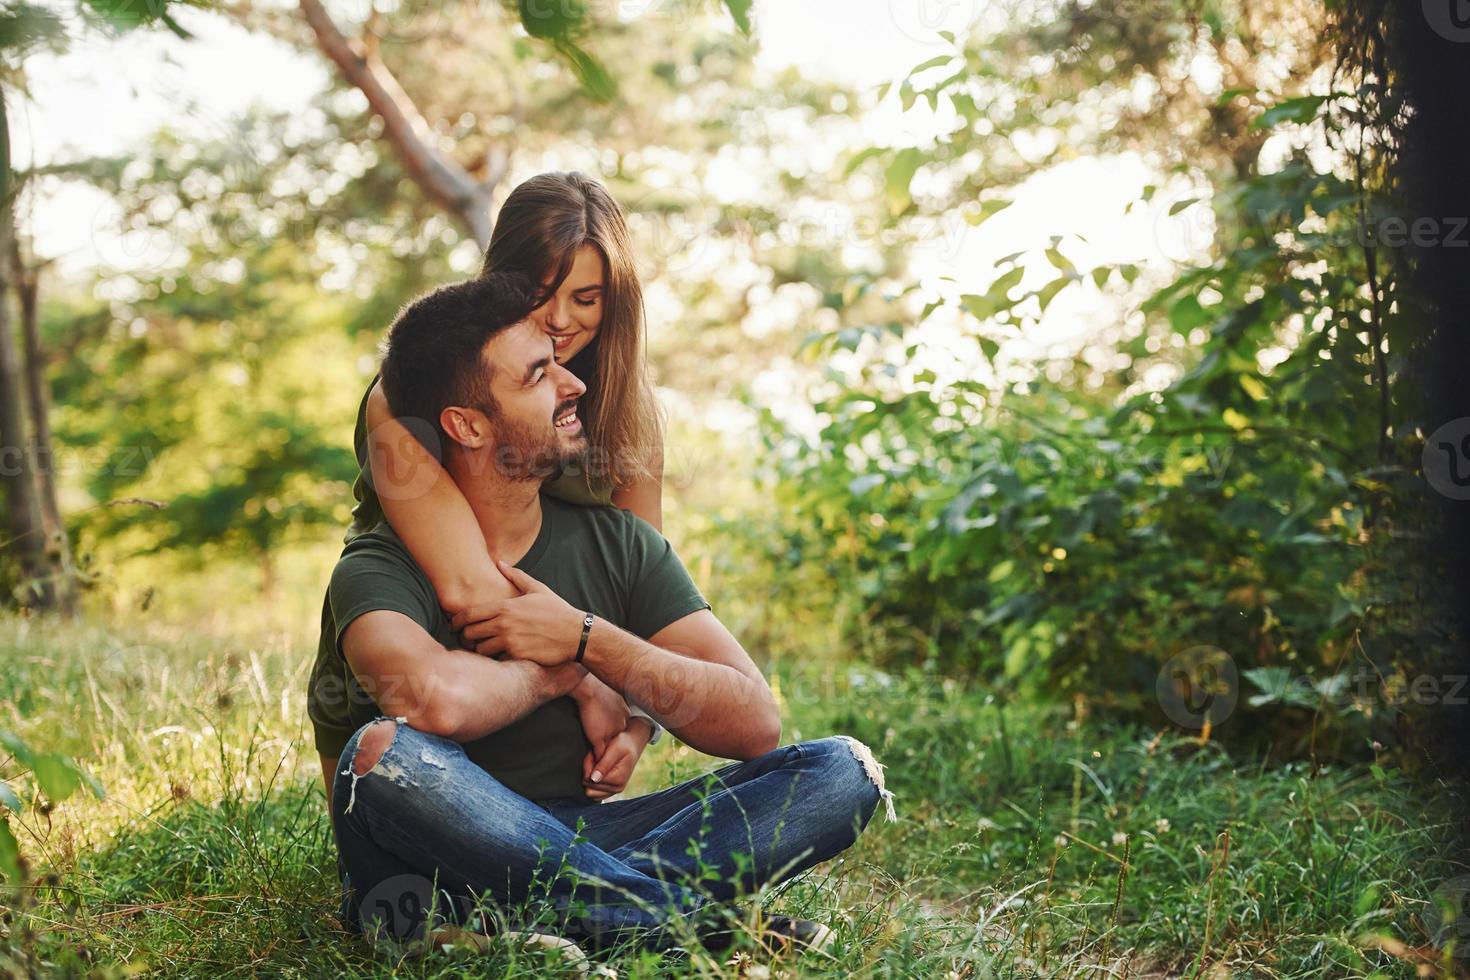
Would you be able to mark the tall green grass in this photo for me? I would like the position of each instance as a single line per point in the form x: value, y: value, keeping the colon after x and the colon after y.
x: 1028, y: 844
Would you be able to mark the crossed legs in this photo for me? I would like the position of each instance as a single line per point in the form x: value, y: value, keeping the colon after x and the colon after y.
x: 422, y: 830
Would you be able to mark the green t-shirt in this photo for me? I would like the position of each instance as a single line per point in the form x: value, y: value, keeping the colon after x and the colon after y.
x: 601, y: 559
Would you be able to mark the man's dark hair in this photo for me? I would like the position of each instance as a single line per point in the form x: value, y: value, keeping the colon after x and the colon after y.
x: 431, y: 357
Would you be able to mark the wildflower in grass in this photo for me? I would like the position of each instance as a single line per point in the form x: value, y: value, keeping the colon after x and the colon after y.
x: 1060, y: 840
x: 1119, y: 839
x: 1162, y: 825
x: 984, y: 824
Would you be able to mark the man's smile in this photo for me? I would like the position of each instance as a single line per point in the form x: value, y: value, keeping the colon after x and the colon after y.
x: 568, y: 421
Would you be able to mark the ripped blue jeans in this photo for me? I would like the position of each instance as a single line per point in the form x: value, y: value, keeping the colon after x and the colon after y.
x: 427, y: 837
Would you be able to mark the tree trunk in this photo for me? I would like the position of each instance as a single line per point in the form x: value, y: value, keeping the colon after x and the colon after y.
x: 267, y: 567
x: 57, y: 552
x: 23, y: 518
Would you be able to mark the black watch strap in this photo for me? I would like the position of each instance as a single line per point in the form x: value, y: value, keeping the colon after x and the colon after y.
x: 586, y: 632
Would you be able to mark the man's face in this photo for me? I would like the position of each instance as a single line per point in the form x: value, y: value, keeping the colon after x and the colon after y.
x: 536, y: 429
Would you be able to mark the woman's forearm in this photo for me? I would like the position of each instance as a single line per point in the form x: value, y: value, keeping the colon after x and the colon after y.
x: 429, y: 513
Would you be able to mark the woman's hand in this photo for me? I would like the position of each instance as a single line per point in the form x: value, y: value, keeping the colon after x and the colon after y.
x: 603, y: 713
x: 608, y: 773
x: 536, y: 625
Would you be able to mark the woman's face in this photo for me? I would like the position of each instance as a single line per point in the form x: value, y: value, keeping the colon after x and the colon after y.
x: 572, y: 317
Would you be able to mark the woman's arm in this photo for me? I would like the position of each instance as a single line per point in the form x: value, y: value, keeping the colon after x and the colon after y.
x: 434, y: 521
x: 429, y: 513
x: 646, y: 496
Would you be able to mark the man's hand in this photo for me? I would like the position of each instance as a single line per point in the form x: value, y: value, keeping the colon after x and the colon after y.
x: 536, y: 625
x: 607, y: 774
x: 603, y: 712
x: 444, y: 692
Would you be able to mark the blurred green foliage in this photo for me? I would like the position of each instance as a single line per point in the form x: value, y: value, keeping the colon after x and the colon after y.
x: 1071, y: 530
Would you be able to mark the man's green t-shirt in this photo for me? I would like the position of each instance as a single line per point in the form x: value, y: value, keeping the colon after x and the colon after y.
x: 599, y: 559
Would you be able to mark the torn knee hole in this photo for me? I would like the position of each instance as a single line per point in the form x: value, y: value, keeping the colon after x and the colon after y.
x: 371, y: 746
x: 873, y: 769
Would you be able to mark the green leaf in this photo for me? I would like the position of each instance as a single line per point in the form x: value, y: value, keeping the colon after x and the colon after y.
x: 988, y: 210
x: 1186, y: 314
x: 896, y: 178
x: 740, y: 12
x: 93, y: 784
x: 1253, y: 387
x: 56, y: 775
x: 1367, y: 901
x: 8, y: 797
x: 1298, y: 110
x: 124, y: 15
x: 907, y: 95
x: 552, y: 21
x: 1279, y: 686
x: 16, y: 746
x: 1181, y: 204
x: 596, y: 82
x: 1047, y: 293
x: 1100, y: 276
x: 9, y: 854
x: 977, y: 306
x: 934, y: 62
x: 1230, y: 93
x: 1008, y: 281
x: 1060, y: 262
x: 861, y: 157
x: 996, y: 298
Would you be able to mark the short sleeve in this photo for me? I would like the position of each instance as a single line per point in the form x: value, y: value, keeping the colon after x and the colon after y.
x: 367, y: 510
x: 660, y: 589
x: 366, y: 580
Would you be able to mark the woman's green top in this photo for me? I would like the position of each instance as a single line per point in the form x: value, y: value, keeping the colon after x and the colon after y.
x: 573, y: 487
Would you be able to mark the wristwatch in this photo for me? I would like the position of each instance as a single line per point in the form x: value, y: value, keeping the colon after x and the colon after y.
x: 658, y: 730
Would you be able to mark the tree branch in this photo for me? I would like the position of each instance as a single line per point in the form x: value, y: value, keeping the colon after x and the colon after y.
x: 440, y: 176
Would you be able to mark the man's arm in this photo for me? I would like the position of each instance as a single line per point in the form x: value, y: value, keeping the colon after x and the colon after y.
x: 452, y: 693
x: 692, y: 675
x: 695, y: 679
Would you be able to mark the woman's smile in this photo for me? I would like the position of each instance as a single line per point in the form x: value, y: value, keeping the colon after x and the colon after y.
x: 572, y: 316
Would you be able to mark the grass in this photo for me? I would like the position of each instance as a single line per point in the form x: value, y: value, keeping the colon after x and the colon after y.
x: 1028, y: 844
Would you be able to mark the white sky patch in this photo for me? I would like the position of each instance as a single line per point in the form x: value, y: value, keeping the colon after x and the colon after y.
x: 151, y: 79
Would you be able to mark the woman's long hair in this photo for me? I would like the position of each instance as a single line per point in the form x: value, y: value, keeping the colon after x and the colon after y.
x: 542, y: 224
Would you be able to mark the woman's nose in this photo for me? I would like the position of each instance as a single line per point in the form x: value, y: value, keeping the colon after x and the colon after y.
x: 554, y: 316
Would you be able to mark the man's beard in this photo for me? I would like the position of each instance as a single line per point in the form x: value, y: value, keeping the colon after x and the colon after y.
x: 533, y: 452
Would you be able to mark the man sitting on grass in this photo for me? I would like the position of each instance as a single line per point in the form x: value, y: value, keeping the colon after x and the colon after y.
x: 459, y: 782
